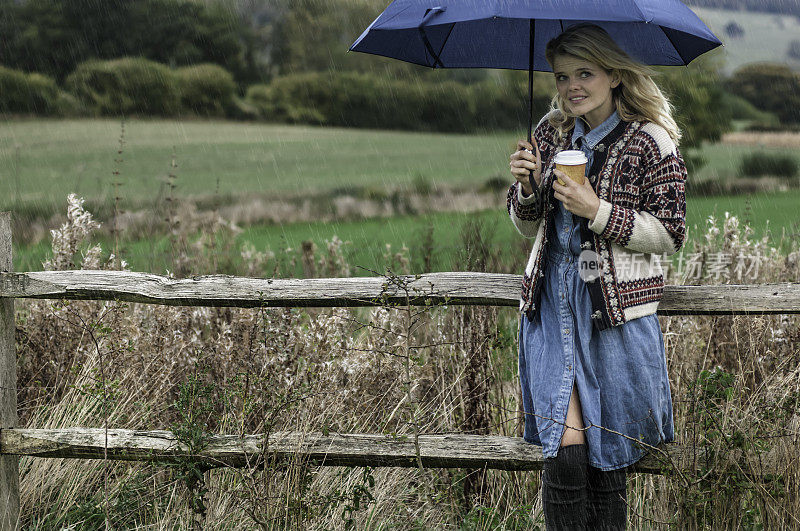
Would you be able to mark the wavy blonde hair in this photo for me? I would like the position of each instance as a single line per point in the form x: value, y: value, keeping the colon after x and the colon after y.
x: 637, y: 97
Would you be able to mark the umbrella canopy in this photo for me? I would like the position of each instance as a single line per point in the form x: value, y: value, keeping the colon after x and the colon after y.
x: 499, y: 33
x: 513, y: 33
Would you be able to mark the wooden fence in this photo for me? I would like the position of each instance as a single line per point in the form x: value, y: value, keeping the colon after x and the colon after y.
x: 447, y: 451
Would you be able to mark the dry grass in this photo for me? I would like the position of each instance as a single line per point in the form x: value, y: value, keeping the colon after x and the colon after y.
x: 763, y: 139
x: 735, y: 383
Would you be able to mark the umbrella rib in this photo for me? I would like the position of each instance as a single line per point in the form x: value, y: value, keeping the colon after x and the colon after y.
x: 426, y: 41
x: 429, y: 47
x: 453, y: 25
x: 641, y: 13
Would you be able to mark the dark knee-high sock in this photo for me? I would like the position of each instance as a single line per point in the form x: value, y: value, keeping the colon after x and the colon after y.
x: 564, y: 494
x: 607, y: 505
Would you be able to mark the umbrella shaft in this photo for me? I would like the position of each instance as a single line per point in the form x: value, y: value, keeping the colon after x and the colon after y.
x: 530, y: 80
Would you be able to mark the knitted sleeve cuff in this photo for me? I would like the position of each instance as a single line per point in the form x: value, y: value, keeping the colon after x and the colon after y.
x: 636, y: 230
x: 527, y: 199
x: 525, y: 208
x: 600, y: 221
x: 525, y: 211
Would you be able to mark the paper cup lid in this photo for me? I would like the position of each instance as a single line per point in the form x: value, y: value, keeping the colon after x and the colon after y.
x: 571, y: 158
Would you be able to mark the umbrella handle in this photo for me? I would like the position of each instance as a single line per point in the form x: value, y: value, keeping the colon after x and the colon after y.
x: 538, y: 159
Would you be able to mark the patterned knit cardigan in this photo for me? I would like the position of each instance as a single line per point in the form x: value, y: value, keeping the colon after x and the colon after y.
x: 642, y: 214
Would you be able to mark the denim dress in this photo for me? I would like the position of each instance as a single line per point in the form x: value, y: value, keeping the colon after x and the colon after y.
x: 620, y: 372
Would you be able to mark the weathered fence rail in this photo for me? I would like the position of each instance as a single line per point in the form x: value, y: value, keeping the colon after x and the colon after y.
x: 334, y: 449
x: 489, y: 289
x: 455, y: 450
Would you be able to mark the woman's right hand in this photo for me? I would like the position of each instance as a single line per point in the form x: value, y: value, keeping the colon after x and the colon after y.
x: 523, y: 162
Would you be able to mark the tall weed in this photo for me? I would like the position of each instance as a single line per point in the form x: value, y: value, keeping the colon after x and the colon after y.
x: 392, y: 369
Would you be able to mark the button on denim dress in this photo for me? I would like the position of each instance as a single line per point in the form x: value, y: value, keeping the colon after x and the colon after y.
x: 620, y: 372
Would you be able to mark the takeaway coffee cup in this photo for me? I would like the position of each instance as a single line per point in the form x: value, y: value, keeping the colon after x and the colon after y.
x: 573, y: 163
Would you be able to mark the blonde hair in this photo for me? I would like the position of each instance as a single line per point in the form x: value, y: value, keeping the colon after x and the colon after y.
x: 637, y: 97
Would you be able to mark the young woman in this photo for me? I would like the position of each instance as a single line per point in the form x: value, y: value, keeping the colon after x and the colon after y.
x: 592, y: 367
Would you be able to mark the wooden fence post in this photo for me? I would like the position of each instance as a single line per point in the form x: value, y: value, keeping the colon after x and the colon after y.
x: 9, y: 464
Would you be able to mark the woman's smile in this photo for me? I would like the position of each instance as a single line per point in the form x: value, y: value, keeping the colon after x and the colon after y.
x: 585, y: 87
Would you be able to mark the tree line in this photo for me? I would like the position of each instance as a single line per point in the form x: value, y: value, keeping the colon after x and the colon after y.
x: 52, y: 37
x: 287, y: 61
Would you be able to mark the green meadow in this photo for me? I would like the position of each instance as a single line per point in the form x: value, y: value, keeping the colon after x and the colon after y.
x: 43, y: 160
x: 366, y: 240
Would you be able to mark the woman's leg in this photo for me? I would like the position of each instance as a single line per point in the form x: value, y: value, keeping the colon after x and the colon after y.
x: 564, y: 477
x: 607, y: 498
x: 573, y: 433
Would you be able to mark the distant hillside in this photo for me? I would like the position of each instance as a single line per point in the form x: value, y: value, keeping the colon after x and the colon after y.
x: 784, y: 7
x: 750, y: 37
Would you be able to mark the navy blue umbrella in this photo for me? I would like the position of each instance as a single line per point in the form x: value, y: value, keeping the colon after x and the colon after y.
x: 513, y: 33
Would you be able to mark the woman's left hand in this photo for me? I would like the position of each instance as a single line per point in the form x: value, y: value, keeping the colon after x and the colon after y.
x: 579, y: 199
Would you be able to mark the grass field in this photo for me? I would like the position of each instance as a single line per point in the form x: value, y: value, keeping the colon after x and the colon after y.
x: 723, y: 159
x: 41, y: 161
x: 44, y: 160
x: 368, y: 238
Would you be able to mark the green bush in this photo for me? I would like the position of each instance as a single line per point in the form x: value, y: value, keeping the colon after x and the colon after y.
x: 771, y: 127
x: 243, y: 110
x: 129, y: 85
x: 503, y: 103
x: 67, y: 105
x: 275, y: 105
x: 741, y: 109
x: 450, y: 107
x: 770, y: 87
x: 28, y: 93
x: 367, y: 101
x: 206, y: 89
x: 760, y: 163
x: 360, y: 100
x: 699, y: 113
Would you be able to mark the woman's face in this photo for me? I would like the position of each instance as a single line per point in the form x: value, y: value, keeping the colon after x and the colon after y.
x: 585, y: 87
